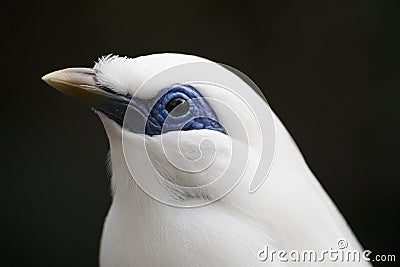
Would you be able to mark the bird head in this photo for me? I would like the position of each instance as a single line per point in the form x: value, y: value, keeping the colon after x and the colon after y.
x: 182, y: 129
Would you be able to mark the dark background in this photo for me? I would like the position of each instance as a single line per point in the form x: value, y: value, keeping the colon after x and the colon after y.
x: 329, y: 69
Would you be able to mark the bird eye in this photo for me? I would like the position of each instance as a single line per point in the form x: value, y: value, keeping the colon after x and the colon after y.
x: 177, y: 106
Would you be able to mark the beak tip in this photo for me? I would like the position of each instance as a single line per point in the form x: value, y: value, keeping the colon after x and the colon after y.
x: 54, y: 77
x: 46, y: 77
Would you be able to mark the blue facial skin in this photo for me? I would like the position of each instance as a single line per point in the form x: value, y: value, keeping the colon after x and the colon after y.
x: 178, y: 107
x: 195, y: 114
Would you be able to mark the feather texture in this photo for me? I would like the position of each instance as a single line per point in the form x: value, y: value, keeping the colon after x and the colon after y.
x: 290, y: 211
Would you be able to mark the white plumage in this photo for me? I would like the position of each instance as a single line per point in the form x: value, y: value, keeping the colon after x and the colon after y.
x: 290, y: 211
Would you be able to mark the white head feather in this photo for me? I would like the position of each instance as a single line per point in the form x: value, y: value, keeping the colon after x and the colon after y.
x: 289, y: 211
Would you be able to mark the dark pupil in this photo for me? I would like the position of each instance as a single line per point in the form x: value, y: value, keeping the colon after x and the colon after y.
x: 177, y: 107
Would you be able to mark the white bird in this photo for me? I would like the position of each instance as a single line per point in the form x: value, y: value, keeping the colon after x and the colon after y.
x: 190, y: 145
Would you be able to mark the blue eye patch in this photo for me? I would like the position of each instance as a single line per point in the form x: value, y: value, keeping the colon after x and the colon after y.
x: 178, y: 107
x: 181, y: 107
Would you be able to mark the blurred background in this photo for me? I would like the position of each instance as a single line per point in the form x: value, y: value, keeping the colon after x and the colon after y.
x: 329, y: 69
